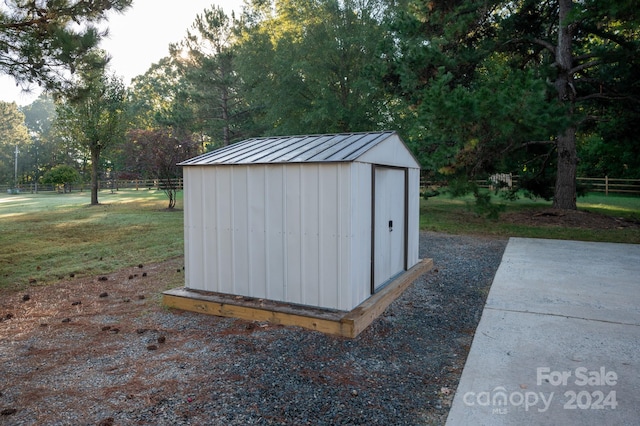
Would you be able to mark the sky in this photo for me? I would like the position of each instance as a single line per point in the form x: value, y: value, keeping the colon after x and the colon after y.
x: 137, y: 38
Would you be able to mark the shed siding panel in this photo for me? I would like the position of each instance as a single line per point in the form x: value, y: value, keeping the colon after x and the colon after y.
x: 344, y: 238
x: 193, y: 245
x: 240, y: 260
x: 310, y: 226
x: 275, y: 218
x: 413, y: 218
x: 258, y: 247
x: 361, y: 224
x: 223, y: 223
x: 206, y: 231
x: 293, y: 199
x: 328, y: 252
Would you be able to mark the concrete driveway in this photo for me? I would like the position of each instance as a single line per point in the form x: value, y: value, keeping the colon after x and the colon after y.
x: 559, y: 339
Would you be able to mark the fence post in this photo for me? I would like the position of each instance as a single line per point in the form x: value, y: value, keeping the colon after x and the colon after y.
x: 606, y: 185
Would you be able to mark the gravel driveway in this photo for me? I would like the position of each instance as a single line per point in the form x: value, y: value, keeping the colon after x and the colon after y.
x: 102, y: 350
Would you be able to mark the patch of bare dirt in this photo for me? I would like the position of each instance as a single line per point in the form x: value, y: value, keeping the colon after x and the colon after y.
x: 51, y: 336
x: 568, y: 219
x: 74, y: 300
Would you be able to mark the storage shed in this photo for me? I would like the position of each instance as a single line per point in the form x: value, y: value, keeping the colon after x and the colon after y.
x: 318, y: 220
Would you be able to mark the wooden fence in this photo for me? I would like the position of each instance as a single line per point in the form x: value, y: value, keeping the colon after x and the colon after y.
x: 113, y: 185
x: 611, y: 185
x: 140, y: 184
x: 606, y: 184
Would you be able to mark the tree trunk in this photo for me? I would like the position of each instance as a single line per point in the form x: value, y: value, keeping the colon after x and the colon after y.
x: 95, y: 158
x: 565, y: 191
x: 226, y: 138
x: 172, y: 198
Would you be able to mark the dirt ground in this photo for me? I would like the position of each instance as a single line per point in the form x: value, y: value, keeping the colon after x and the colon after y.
x: 74, y: 320
x: 567, y: 218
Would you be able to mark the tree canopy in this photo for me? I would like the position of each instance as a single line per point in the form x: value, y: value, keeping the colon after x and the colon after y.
x: 314, y: 66
x: 156, y: 154
x: 516, y: 85
x: 206, y: 61
x: 94, y: 115
x: 43, y: 42
x: 545, y: 90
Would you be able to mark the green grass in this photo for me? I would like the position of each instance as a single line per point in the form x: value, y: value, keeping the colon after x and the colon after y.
x: 612, y: 205
x: 455, y: 215
x: 48, y: 236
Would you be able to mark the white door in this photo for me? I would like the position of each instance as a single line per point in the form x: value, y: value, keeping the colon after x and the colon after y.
x: 389, y: 224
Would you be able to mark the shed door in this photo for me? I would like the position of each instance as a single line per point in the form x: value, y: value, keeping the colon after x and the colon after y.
x: 389, y: 218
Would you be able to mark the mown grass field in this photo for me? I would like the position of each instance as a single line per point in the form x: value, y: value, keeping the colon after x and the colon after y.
x: 456, y: 215
x: 48, y: 236
x: 45, y: 237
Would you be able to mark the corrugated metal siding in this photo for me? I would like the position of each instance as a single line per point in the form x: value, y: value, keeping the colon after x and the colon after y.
x: 273, y: 231
x: 360, y: 256
x: 389, y: 241
x: 294, y: 149
x: 413, y: 218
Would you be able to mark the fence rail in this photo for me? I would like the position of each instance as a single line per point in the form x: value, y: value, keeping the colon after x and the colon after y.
x: 605, y: 184
x: 114, y: 185
x: 611, y: 185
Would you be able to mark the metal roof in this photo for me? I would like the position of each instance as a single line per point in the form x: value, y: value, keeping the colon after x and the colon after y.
x: 344, y: 147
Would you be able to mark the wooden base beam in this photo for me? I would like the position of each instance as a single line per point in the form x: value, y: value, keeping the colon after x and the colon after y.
x: 339, y: 323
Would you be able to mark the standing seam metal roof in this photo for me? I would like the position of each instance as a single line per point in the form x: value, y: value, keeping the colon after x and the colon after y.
x: 344, y: 147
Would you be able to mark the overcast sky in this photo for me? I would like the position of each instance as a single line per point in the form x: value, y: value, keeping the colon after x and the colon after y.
x: 138, y: 38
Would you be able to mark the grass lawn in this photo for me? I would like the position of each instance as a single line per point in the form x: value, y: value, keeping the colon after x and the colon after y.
x: 47, y: 236
x: 455, y: 215
x: 44, y: 237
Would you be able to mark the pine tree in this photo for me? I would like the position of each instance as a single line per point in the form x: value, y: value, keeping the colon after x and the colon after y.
x: 44, y: 42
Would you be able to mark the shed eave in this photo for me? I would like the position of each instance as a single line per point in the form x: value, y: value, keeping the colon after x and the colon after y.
x: 276, y: 163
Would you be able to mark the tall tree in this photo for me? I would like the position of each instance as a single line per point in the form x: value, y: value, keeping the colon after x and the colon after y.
x: 592, y: 47
x: 206, y: 59
x: 452, y: 87
x: 13, y: 137
x: 158, y: 99
x: 95, y: 115
x: 313, y: 66
x: 581, y: 53
x: 152, y: 95
x: 39, y: 118
x: 42, y: 42
x: 503, y: 119
x: 161, y: 127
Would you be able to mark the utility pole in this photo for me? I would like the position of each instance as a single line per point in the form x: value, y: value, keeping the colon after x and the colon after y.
x: 15, y: 175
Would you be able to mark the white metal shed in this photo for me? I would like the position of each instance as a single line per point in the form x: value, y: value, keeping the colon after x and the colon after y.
x: 318, y: 220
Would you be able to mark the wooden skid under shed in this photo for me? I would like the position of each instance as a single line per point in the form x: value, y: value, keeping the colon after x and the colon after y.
x: 340, y: 323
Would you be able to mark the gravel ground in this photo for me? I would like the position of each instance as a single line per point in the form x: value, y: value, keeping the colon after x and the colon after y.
x: 102, y: 350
